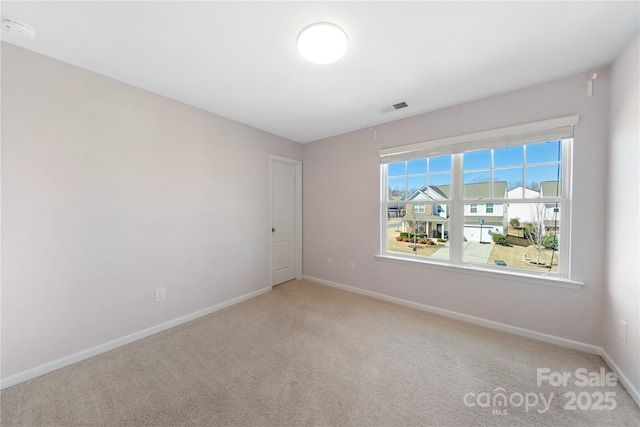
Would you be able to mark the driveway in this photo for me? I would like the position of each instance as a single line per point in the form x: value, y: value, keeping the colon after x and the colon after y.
x: 475, y: 252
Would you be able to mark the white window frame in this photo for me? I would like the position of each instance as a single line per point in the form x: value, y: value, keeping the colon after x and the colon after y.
x: 553, y: 129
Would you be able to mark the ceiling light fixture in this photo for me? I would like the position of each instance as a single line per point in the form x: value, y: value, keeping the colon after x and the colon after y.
x: 322, y: 43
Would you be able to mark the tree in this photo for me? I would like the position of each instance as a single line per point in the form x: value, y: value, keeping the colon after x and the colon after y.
x: 482, y: 178
x: 414, y: 225
x: 395, y: 191
x: 514, y: 222
x: 535, y: 186
x: 514, y: 184
x: 534, y: 231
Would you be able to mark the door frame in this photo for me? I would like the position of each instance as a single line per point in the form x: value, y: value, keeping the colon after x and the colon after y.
x: 298, y: 214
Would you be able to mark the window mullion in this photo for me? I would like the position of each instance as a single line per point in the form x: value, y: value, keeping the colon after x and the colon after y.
x: 456, y: 220
x: 565, y: 207
x: 384, y: 207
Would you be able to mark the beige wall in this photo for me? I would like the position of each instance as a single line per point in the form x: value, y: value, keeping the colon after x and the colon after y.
x: 349, y: 165
x: 109, y: 192
x: 622, y: 296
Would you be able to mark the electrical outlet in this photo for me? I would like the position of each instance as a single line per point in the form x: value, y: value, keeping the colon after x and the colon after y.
x: 352, y: 266
x: 329, y: 261
x: 623, y: 330
x: 160, y: 294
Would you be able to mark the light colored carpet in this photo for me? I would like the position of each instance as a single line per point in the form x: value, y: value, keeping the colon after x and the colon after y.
x: 307, y: 354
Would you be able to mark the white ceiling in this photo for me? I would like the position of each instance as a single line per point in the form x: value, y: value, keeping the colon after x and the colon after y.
x: 239, y: 60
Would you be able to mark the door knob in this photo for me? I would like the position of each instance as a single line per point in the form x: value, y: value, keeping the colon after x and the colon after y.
x: 273, y: 230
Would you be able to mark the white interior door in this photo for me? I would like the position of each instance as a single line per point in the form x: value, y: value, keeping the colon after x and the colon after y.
x: 285, y: 218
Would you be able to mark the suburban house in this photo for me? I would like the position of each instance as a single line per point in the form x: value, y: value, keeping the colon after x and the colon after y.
x: 396, y: 210
x: 429, y: 218
x: 520, y: 211
x: 481, y: 220
x: 170, y: 163
x: 526, y: 212
x: 552, y: 210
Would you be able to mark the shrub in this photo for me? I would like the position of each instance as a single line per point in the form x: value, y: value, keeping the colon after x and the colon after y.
x: 404, y: 234
x: 405, y: 239
x: 499, y: 239
x: 430, y: 242
x: 550, y: 241
x: 441, y: 240
x: 529, y: 233
x: 399, y: 239
x: 514, y: 222
x: 421, y: 241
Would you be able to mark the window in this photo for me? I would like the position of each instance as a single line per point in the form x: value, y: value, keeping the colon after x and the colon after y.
x: 521, y: 182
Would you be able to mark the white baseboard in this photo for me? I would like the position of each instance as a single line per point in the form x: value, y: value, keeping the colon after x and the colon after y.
x: 102, y: 348
x: 576, y: 345
x: 633, y: 392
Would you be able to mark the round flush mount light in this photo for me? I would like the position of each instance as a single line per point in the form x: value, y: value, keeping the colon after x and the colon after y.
x: 322, y: 43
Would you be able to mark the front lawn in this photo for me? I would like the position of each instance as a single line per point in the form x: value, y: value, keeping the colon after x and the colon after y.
x: 423, y: 250
x: 513, y: 256
x: 407, y: 247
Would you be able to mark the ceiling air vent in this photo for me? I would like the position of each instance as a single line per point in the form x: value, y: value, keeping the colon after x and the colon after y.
x: 393, y: 107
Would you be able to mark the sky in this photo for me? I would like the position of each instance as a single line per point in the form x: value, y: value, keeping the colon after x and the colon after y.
x: 530, y: 164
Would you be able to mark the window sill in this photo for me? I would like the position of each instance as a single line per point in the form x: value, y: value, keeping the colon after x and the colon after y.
x: 558, y: 282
